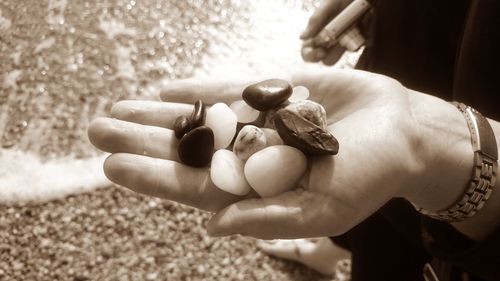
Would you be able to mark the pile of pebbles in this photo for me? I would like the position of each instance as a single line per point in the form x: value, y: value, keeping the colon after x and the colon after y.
x: 260, y: 141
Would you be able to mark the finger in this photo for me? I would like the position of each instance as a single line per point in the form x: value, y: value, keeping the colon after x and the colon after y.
x: 322, y: 83
x: 311, y: 54
x: 167, y: 179
x: 113, y: 135
x: 211, y: 91
x: 294, y: 214
x: 153, y: 113
x: 327, y: 10
x: 222, y: 90
x: 333, y: 55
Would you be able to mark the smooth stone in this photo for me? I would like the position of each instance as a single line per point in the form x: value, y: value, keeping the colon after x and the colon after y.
x: 267, y: 94
x: 227, y: 172
x: 222, y: 120
x: 197, y: 147
x: 249, y: 140
x: 272, y: 137
x: 259, y: 122
x: 309, y: 110
x: 246, y: 116
x: 275, y: 169
x: 198, y: 115
x: 298, y: 132
x: 245, y: 113
x: 181, y: 126
x: 299, y: 93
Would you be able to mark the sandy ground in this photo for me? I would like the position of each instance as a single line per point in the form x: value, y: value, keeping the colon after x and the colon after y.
x: 62, y: 63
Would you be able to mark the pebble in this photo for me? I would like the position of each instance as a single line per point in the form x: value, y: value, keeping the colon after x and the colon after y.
x: 298, y: 132
x: 196, y: 147
x: 249, y: 140
x: 181, y: 126
x: 245, y: 113
x: 272, y: 137
x: 309, y: 110
x: 198, y: 115
x: 222, y: 120
x: 275, y: 169
x: 267, y: 94
x: 299, y: 93
x: 226, y: 172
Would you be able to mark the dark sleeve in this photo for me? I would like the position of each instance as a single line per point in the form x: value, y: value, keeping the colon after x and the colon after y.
x: 415, y: 42
x: 477, y: 68
x: 446, y: 243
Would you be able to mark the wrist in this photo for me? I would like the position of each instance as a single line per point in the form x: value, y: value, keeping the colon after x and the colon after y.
x: 450, y: 165
x: 444, y: 150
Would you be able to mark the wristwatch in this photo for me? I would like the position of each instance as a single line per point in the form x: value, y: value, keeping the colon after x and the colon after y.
x: 483, y: 178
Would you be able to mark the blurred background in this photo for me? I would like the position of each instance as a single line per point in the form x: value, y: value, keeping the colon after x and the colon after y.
x: 63, y: 63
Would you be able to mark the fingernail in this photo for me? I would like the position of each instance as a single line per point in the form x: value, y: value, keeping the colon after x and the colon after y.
x: 173, y: 86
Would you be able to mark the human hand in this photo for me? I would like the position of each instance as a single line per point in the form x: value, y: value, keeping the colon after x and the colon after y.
x: 381, y: 156
x: 329, y: 32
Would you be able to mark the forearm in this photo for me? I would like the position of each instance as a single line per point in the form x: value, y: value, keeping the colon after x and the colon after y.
x: 446, y: 153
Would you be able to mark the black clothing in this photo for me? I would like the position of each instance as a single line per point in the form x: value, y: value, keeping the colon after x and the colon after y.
x: 450, y: 49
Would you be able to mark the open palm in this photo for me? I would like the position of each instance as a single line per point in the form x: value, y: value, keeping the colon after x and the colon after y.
x: 368, y: 114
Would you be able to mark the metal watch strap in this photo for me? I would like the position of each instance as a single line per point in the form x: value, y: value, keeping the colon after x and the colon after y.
x: 483, y: 177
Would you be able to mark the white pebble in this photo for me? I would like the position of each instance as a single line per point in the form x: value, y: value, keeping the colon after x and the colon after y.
x: 272, y: 137
x: 226, y: 172
x: 275, y: 169
x: 222, y: 120
x: 299, y: 93
x: 244, y: 112
x: 249, y: 140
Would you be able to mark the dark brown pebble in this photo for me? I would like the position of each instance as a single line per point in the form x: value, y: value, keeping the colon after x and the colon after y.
x: 267, y: 94
x: 197, y: 147
x: 181, y: 126
x: 304, y: 135
x: 198, y: 115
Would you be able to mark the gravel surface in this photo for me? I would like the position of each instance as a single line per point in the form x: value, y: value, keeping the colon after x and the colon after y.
x: 62, y: 63
x: 115, y: 234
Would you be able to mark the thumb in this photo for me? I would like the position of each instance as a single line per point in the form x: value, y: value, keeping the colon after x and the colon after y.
x: 292, y: 214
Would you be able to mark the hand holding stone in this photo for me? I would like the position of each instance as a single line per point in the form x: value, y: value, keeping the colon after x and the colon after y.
x: 368, y: 114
